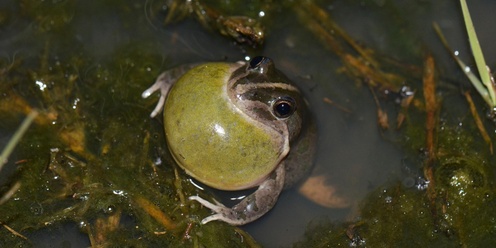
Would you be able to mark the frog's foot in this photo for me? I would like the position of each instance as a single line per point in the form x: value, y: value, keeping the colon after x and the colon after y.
x: 251, y: 207
x: 163, y: 83
x: 222, y: 212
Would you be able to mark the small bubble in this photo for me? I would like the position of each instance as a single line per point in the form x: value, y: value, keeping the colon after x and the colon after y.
x: 409, y: 182
x: 83, y: 224
x: 41, y: 85
x: 36, y: 208
x: 422, y: 184
x: 109, y: 209
x: 405, y: 91
x: 157, y: 161
x: 357, y: 241
x: 118, y: 192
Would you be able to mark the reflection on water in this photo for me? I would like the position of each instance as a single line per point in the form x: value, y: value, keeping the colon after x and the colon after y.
x: 354, y: 154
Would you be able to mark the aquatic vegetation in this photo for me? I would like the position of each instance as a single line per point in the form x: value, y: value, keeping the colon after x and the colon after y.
x: 6, y: 153
x: 444, y: 206
x: 243, y: 29
x: 359, y: 62
x: 485, y: 86
x: 78, y: 166
x: 95, y: 161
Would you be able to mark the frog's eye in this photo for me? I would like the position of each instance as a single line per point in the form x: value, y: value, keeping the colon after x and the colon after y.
x: 283, y: 107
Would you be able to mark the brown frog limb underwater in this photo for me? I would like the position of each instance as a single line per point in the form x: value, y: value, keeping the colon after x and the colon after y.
x: 235, y: 126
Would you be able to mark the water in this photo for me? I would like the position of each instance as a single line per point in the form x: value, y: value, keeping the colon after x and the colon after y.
x: 354, y: 154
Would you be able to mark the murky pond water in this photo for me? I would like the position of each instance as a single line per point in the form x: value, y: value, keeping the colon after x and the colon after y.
x: 355, y: 155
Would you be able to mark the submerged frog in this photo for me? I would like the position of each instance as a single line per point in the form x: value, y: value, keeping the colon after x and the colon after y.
x: 235, y: 126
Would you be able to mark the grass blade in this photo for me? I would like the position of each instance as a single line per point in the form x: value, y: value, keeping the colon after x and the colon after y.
x: 15, y: 139
x: 479, y: 86
x: 477, y: 52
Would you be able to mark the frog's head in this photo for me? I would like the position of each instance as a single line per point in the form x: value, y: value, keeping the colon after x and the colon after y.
x: 268, y: 97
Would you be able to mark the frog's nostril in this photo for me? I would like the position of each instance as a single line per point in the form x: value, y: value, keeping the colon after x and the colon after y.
x: 255, y: 62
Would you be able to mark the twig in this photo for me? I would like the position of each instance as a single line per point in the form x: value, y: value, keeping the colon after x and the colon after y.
x: 155, y: 212
x: 331, y: 102
x: 478, y: 121
x: 430, y: 125
x: 382, y: 117
x: 14, y: 232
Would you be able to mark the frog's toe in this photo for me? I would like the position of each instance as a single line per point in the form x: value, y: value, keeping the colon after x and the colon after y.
x: 214, y: 217
x: 212, y: 206
x: 158, y: 85
x: 159, y: 106
x: 163, y: 83
x: 222, y: 212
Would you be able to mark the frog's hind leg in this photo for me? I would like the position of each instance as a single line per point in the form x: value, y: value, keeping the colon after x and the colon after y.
x: 250, y: 208
x: 163, y: 83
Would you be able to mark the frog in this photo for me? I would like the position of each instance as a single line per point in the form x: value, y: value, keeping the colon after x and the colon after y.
x: 235, y: 126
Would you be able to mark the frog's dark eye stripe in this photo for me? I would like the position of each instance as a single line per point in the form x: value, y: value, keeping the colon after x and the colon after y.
x: 284, y: 107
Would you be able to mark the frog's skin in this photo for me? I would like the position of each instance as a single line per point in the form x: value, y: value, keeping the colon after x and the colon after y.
x: 235, y: 126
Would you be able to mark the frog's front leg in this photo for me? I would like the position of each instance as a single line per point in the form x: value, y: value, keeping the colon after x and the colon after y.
x: 253, y: 206
x: 163, y: 83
